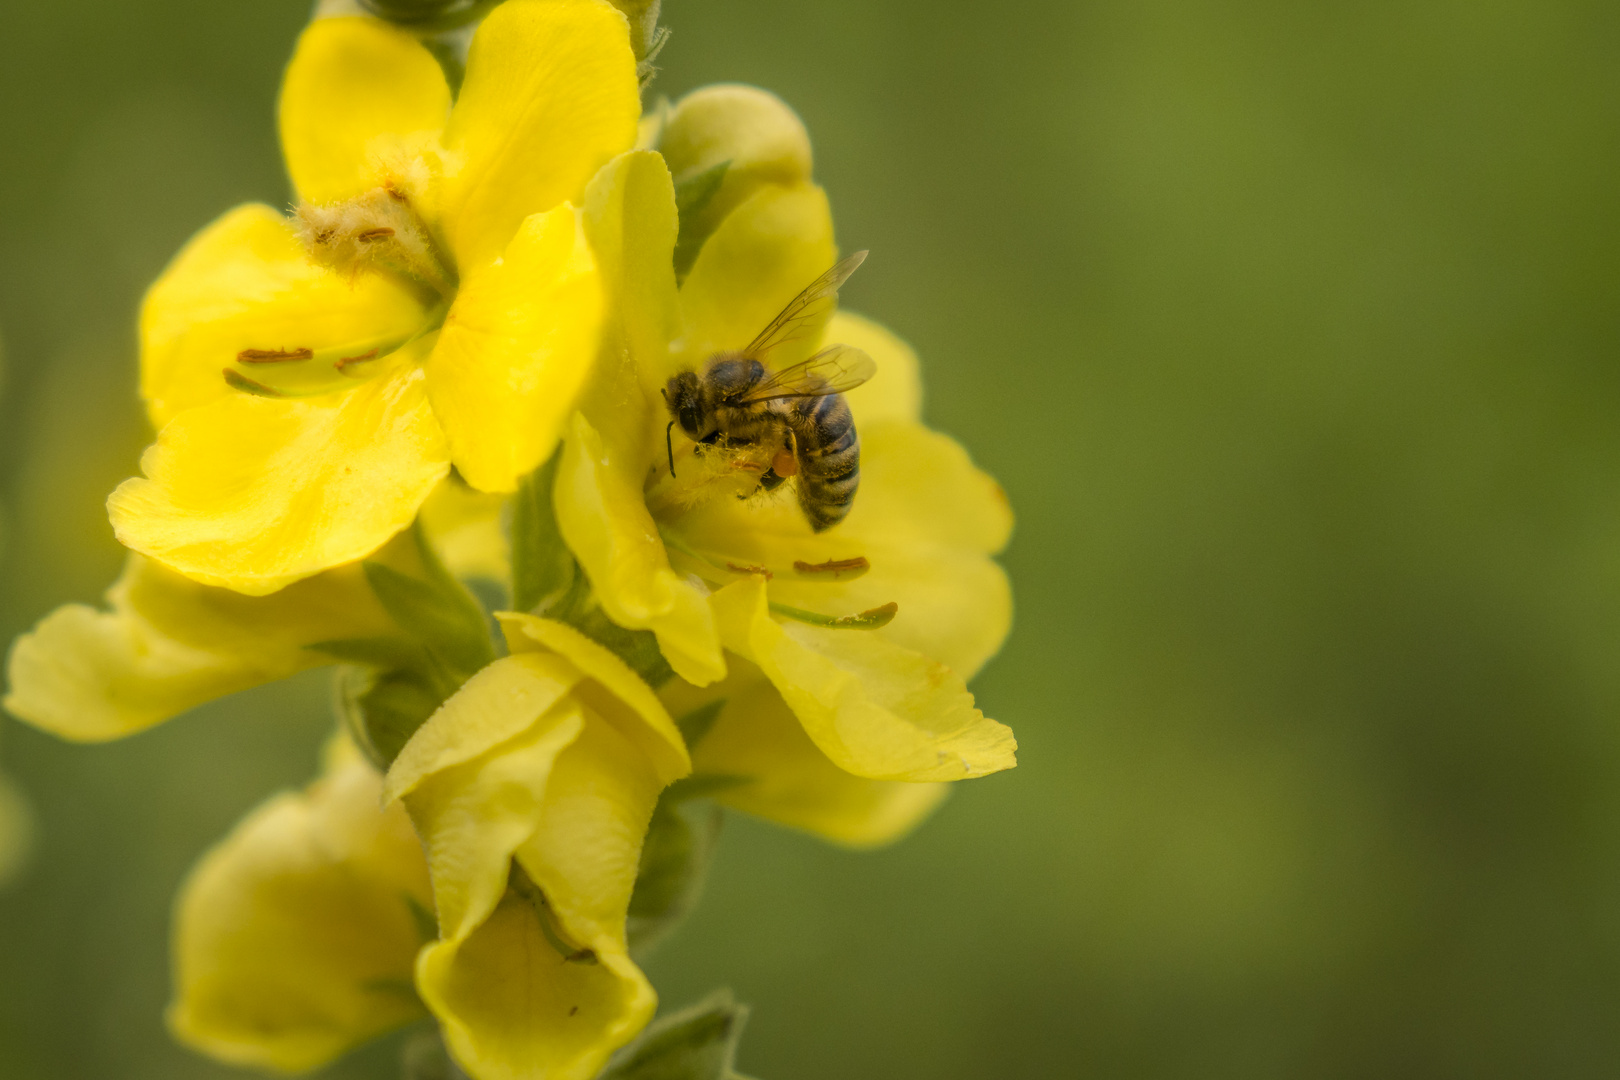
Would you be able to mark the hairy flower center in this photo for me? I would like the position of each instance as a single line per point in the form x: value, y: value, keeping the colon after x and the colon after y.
x: 379, y: 232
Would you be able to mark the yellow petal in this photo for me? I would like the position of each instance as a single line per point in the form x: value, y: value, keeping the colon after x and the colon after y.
x: 464, y: 527
x: 516, y: 350
x: 754, y: 133
x: 895, y: 392
x: 925, y: 519
x: 295, y: 938
x: 618, y: 694
x: 605, y: 521
x: 356, y: 91
x: 570, y: 798
x: 244, y: 282
x: 630, y: 221
x: 875, y: 708
x: 786, y: 778
x: 496, y: 705
x: 551, y: 95
x: 168, y: 644
x: 762, y: 256
x: 255, y: 493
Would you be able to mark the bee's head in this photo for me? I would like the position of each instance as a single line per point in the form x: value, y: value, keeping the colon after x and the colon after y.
x: 684, y: 396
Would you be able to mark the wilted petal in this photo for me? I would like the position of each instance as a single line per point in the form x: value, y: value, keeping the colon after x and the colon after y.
x: 254, y: 493
x: 295, y: 938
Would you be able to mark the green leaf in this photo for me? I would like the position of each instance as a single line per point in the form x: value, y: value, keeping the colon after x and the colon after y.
x: 675, y: 858
x: 542, y: 566
x: 697, y: 1043
x: 703, y: 785
x: 692, y: 194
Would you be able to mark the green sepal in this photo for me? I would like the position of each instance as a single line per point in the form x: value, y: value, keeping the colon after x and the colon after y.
x: 697, y: 1043
x: 696, y: 724
x: 675, y: 858
x: 436, y: 610
x: 692, y: 194
x: 382, y: 709
x: 543, y: 568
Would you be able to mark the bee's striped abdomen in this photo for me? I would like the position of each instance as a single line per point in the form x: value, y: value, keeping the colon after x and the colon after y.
x: 829, y: 454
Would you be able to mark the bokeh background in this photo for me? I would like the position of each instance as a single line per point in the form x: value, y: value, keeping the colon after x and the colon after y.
x: 1293, y: 331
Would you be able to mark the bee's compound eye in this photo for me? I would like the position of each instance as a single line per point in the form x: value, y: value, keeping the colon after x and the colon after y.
x: 691, y: 419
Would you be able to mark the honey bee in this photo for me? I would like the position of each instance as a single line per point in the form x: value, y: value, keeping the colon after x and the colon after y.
x: 798, y: 412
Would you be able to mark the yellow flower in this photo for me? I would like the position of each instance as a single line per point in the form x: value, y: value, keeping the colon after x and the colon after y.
x: 295, y: 937
x: 742, y: 589
x: 532, y: 789
x: 434, y: 303
x: 166, y: 644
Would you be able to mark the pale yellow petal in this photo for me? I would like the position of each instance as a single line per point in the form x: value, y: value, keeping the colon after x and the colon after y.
x: 357, y: 90
x: 496, y: 705
x: 464, y: 527
x: 630, y: 221
x: 619, y: 695
x: 762, y: 255
x: 782, y: 776
x: 295, y: 938
x: 570, y: 798
x: 895, y: 392
x: 255, y: 493
x: 551, y: 95
x: 875, y: 708
x: 516, y: 350
x: 244, y: 282
x: 167, y: 644
x: 605, y: 521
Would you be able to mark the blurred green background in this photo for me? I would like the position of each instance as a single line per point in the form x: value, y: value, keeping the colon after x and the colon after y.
x: 1292, y: 331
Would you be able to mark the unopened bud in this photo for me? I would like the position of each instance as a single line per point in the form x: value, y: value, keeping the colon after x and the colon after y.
x: 723, y: 143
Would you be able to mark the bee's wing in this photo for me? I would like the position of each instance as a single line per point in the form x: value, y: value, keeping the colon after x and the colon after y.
x: 833, y: 370
x: 804, y: 311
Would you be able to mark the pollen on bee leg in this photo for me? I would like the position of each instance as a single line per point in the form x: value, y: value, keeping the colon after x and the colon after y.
x: 785, y: 464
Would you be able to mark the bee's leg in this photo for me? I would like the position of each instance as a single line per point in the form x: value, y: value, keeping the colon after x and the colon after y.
x: 669, y: 447
x: 770, y: 481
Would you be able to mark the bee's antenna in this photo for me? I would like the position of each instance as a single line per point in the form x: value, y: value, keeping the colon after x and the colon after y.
x: 669, y: 447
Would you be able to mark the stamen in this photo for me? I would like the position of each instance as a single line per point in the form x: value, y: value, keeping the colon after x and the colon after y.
x: 246, y: 385
x: 734, y: 568
x: 867, y: 620
x: 524, y: 886
x: 373, y: 235
x: 343, y: 364
x: 837, y: 569
x: 273, y: 356
x: 379, y: 230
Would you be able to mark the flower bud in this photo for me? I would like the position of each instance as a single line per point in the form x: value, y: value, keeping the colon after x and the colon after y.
x: 723, y: 143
